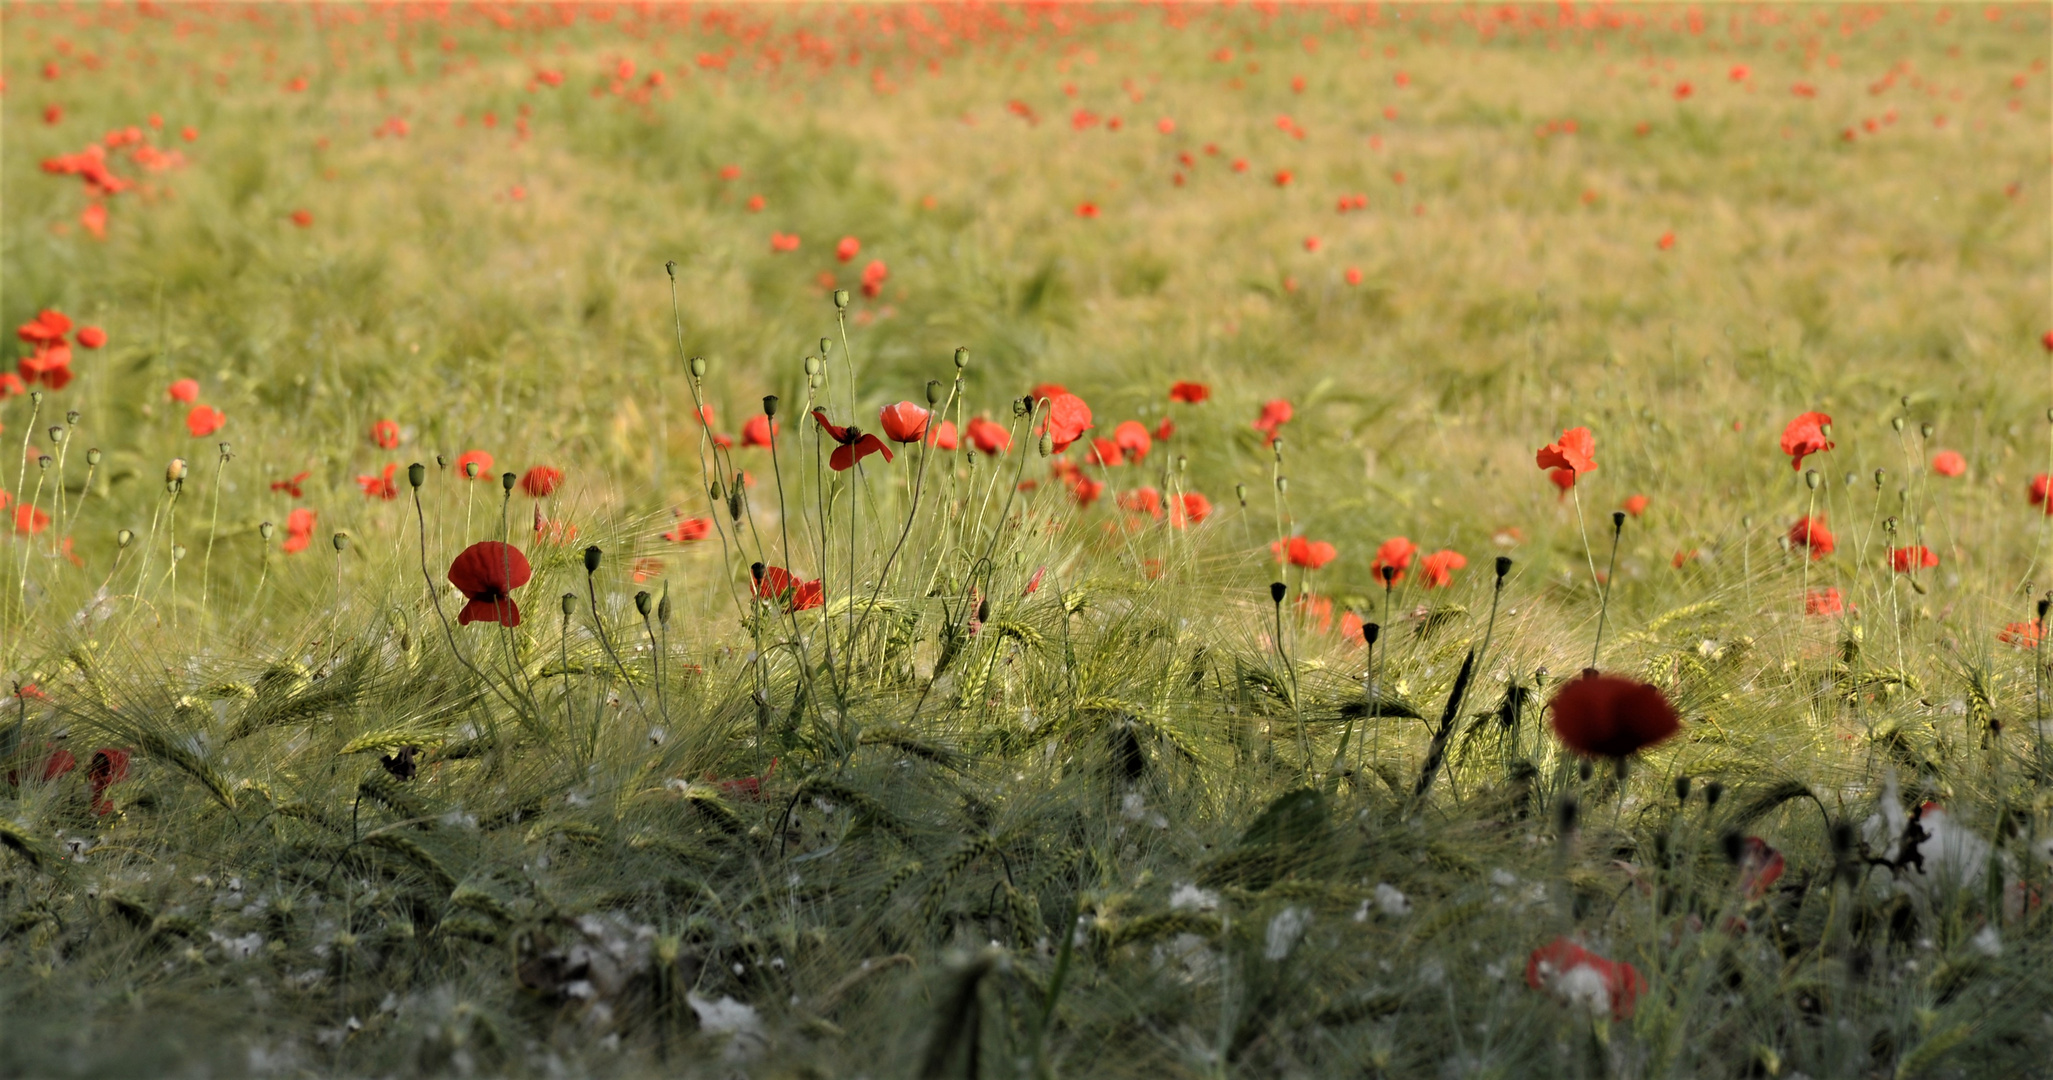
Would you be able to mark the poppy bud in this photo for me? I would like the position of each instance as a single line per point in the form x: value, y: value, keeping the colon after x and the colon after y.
x: 1713, y: 791
x: 506, y: 482
x: 1182, y: 463
x: 1539, y: 677
x: 841, y: 299
x: 826, y: 347
x: 341, y: 542
x: 1897, y: 423
x: 36, y: 398
x: 177, y: 552
x: 416, y: 475
x: 1047, y: 445
x: 1389, y: 575
x: 1733, y: 844
x: 755, y: 570
x: 125, y: 537
x: 264, y: 529
x: 961, y: 358
x: 984, y: 610
x: 698, y: 367
x: 1022, y: 407
x: 1617, y: 521
x: 1925, y: 429
x: 1889, y: 524
x: 717, y: 491
x: 175, y: 470
x: 1825, y: 429
x: 670, y: 267
x: 663, y: 608
x: 227, y: 450
x: 2049, y: 416
x: 57, y: 433
x: 569, y: 604
x: 470, y: 470
x: 1276, y: 591
x: 1880, y: 475
x: 770, y: 406
x: 93, y: 456
x: 592, y: 559
x: 1276, y: 444
x: 1564, y: 814
x: 1503, y: 566
x: 643, y: 602
x: 734, y: 505
x: 1370, y: 632
x: 1240, y: 490
x: 1811, y: 479
x: 1682, y: 788
x: 441, y: 461
x: 812, y: 365
x: 933, y: 391
x: 71, y: 417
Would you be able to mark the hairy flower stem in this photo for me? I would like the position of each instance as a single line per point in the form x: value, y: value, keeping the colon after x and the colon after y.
x: 21, y: 473
x: 1604, y: 606
x: 1304, y: 741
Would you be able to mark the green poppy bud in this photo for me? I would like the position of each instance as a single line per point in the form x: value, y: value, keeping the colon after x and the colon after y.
x: 1897, y: 423
x: 1811, y: 479
x: 841, y: 299
x: 1047, y: 445
x: 643, y: 602
x: 663, y: 607
x: 670, y: 267
x: 698, y: 367
x: 812, y: 365
x: 769, y: 405
x: 416, y: 474
x: 264, y: 530
x: 826, y: 347
x: 341, y: 542
x: 93, y: 456
x: 177, y: 552
x: 933, y: 391
x: 470, y: 469
x: 569, y: 604
x: 125, y: 537
x: 961, y: 358
x: 1925, y: 429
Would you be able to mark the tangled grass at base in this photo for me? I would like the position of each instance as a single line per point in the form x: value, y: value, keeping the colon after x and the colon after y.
x: 984, y: 760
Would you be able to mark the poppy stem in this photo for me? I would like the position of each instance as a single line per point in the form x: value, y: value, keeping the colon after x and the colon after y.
x: 435, y: 597
x: 213, y: 523
x: 1576, y: 496
x: 1604, y: 606
x: 911, y: 515
x: 21, y: 473
x: 592, y: 593
x: 1304, y: 742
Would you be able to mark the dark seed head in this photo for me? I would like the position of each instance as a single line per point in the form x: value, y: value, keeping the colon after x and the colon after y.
x: 1733, y: 844
x: 1586, y: 769
x: 643, y: 603
x: 416, y: 474
x: 506, y: 482
x: 592, y: 559
x: 1617, y: 520
x: 1276, y: 591
x: 1503, y: 566
x: 1682, y: 789
x: 1564, y: 815
x: 769, y: 405
x: 1370, y: 632
x: 755, y: 570
x: 1713, y: 791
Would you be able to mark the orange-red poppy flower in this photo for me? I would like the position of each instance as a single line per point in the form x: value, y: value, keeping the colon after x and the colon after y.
x: 303, y: 218
x: 541, y: 481
x: 1805, y: 436
x: 1636, y: 505
x: 1275, y: 414
x: 28, y: 521
x: 11, y: 384
x: 486, y: 574
x: 1133, y: 440
x: 780, y: 242
x: 1165, y: 429
x: 184, y: 391
x: 2024, y: 635
x: 481, y: 459
x: 2042, y: 493
x: 1396, y: 554
x: 1142, y: 500
x: 1047, y: 391
x: 1825, y: 601
x: 1192, y: 508
x: 299, y: 530
x: 1086, y: 490
x: 380, y: 487
x: 92, y: 337
x: 1576, y: 976
x: 689, y: 530
x: 385, y: 434
x: 47, y: 327
x: 1068, y: 419
x: 1190, y: 393
x: 759, y: 430
x: 1760, y: 866
x: 942, y: 435
x: 989, y: 437
x: 1949, y: 463
x: 777, y: 583
x: 1310, y: 554
x: 1609, y: 716
x: 904, y: 422
x: 1810, y: 532
x: 873, y: 278
x: 1105, y: 452
x: 847, y: 248
x: 1575, y: 451
x: 292, y: 486
x: 204, y: 420
x: 1915, y: 557
x: 854, y: 447
x: 1436, y: 571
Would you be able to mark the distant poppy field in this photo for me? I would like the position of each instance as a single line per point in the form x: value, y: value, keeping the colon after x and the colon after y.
x: 1157, y: 540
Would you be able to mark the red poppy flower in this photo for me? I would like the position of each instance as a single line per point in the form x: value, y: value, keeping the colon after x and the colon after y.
x: 541, y: 481
x: 758, y: 430
x: 777, y: 583
x: 1086, y: 490
x: 185, y: 391
x: 1949, y: 463
x: 904, y: 422
x: 291, y: 487
x: 1916, y: 557
x: 1048, y: 390
x: 28, y: 521
x: 783, y: 241
x: 1576, y: 976
x: 1666, y: 242
x: 854, y: 447
x: 1810, y: 532
x: 943, y: 435
x: 2024, y: 635
x: 109, y: 767
x: 1636, y: 505
x: 847, y: 248
x: 299, y: 530
x: 1068, y: 419
x: 1133, y: 440
x: 688, y: 530
x: 1575, y: 451
x: 1436, y: 571
x: 873, y: 278
x: 1087, y: 210
x: 48, y: 327
x: 1165, y: 429
x: 49, y: 364
x: 989, y: 437
x: 1804, y: 436
x: 1395, y: 553
x: 1759, y: 867
x: 303, y: 218
x: 10, y: 385
x: 486, y: 574
x: 385, y: 434
x: 474, y: 457
x: 1310, y: 554
x: 92, y: 337
x: 1609, y: 716
x: 1192, y: 508
x: 1105, y: 452
x: 2042, y: 493
x: 2047, y: 341
x: 1275, y: 414
x: 1825, y: 601
x: 204, y: 420
x: 1142, y: 500
x: 58, y: 764
x: 1190, y: 393
x: 380, y: 487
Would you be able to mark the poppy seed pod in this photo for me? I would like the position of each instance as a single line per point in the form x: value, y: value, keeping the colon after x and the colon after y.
x: 1617, y: 520
x: 441, y: 461
x: 1880, y: 476
x: 1276, y: 591
x: 1503, y: 566
x: 961, y: 358
x: 1389, y: 575
x: 812, y: 365
x: 1182, y: 463
x: 1825, y: 429
x: 93, y: 456
x: 1022, y: 407
x: 1564, y: 814
x: 933, y: 391
x: 125, y: 537
x: 36, y: 398
x: 1897, y: 423
x: 1889, y: 524
x: 1925, y: 429
x: 1733, y: 843
x: 177, y: 552
x: 43, y: 461
x: 569, y: 604
x: 643, y: 602
x: 470, y: 470
x: 506, y: 482
x: 1047, y: 445
x: 841, y: 299
x: 57, y: 433
x: 1811, y: 479
x: 1240, y: 491
x: 341, y: 542
x: 175, y: 470
x: 1370, y: 632
x: 1682, y: 789
x: 264, y: 530
x: 592, y: 559
x: 770, y: 409
x: 71, y: 417
x: 1283, y: 485
x: 698, y: 367
x: 1586, y: 770
x: 663, y: 608
x: 826, y: 347
x: 416, y: 474
x: 1713, y: 791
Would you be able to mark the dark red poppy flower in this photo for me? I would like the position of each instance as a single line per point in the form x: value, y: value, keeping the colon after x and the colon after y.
x: 108, y: 767
x: 1310, y: 554
x: 1562, y: 478
x: 904, y: 422
x: 1949, y: 463
x: 1165, y: 429
x: 204, y: 420
x: 479, y: 458
x: 385, y: 434
x: 1810, y: 532
x: 60, y: 763
x: 1759, y: 867
x: 1636, y: 505
x: 1916, y: 557
x: 943, y: 436
x: 1189, y: 393
x: 1805, y: 436
x: 689, y: 530
x: 759, y: 430
x: 1395, y: 553
x: 380, y: 487
x: 1825, y: 601
x: 1575, y: 451
x: 854, y: 447
x: 291, y: 487
x: 1275, y: 414
x: 486, y: 574
x: 1105, y: 452
x: 1133, y: 439
x: 1578, y: 977
x: 2024, y: 635
x: 1436, y: 571
x: 1068, y: 419
x: 47, y: 327
x: 1192, y: 508
x: 991, y: 438
x: 2042, y: 493
x: 777, y: 583
x: 1610, y: 716
x: 541, y: 481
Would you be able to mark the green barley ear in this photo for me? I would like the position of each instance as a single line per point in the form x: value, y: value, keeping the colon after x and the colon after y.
x: 961, y: 358
x: 592, y: 555
x: 416, y: 475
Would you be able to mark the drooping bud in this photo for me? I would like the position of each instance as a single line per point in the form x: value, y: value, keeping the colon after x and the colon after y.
x: 1240, y: 491
x: 718, y: 491
x: 984, y: 610
x: 961, y: 358
x: 592, y: 559
x: 1047, y: 445
x: 643, y: 602
x: 416, y: 475
x: 663, y: 607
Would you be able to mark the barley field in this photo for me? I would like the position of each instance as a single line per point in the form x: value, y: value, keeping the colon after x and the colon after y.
x: 1046, y: 540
